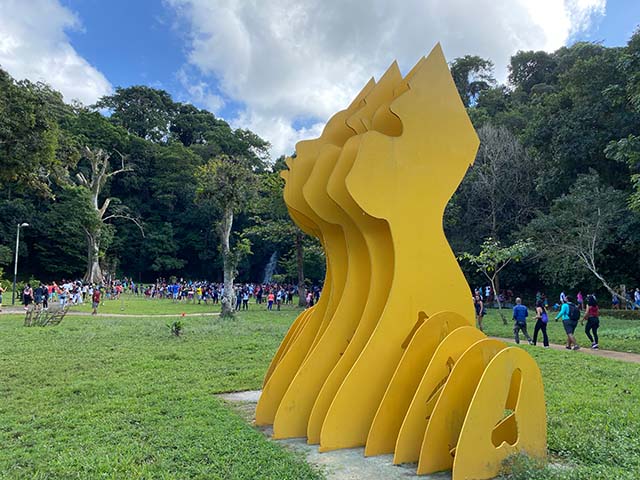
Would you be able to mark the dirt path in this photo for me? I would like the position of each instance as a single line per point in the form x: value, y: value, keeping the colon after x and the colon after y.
x: 624, y: 356
x: 18, y: 311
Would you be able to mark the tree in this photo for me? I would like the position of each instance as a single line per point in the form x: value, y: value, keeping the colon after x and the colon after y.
x: 569, y: 129
x: 627, y: 150
x: 472, y: 75
x: 529, y: 69
x: 493, y: 258
x: 273, y: 226
x: 96, y: 230
x: 30, y: 137
x: 572, y: 237
x: 227, y: 184
x: 192, y: 126
x: 498, y: 193
x: 143, y: 111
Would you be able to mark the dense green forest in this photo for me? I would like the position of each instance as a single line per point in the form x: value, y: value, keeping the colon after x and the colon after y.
x: 558, y: 166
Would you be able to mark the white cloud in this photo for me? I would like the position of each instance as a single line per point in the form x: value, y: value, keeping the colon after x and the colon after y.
x: 33, y: 45
x: 292, y: 59
x: 200, y: 92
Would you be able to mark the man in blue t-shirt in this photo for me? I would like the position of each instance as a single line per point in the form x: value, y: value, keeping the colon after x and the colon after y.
x: 520, y: 314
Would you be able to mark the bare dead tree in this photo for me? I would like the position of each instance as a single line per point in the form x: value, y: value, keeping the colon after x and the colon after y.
x: 99, y: 161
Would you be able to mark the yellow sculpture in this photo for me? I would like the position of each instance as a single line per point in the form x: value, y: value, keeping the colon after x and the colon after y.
x: 389, y: 358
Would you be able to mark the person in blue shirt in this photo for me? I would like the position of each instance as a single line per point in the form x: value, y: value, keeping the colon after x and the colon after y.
x: 520, y: 314
x: 569, y: 323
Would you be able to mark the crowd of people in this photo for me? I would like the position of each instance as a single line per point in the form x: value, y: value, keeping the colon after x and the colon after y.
x: 585, y: 310
x: 76, y: 292
x: 67, y: 292
x: 268, y: 294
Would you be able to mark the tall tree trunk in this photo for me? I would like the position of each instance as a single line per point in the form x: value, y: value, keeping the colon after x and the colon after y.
x: 621, y: 295
x: 228, y: 266
x: 94, y: 272
x: 495, y: 285
x: 99, y: 160
x: 302, y: 291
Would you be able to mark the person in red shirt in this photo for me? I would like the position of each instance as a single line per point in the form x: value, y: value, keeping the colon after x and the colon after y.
x: 95, y: 298
x: 592, y: 316
x: 270, y: 300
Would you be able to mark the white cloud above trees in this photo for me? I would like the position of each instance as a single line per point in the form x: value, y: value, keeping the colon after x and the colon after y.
x: 294, y: 62
x: 34, y: 45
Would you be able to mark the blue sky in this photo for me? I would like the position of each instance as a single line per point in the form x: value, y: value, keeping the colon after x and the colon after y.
x: 621, y: 19
x: 279, y: 67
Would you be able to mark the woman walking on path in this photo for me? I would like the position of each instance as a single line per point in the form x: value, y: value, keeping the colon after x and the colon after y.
x: 541, y: 324
x: 479, y: 306
x: 569, y: 321
x: 592, y: 316
x: 27, y: 296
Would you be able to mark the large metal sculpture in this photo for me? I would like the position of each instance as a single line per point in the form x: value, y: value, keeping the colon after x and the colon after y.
x: 389, y: 357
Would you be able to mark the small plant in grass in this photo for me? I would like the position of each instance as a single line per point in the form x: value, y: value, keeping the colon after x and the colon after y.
x: 521, y: 467
x: 175, y: 328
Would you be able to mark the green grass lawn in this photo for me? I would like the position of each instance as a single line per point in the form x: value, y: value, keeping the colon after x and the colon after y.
x: 139, y: 305
x: 615, y: 334
x: 119, y: 398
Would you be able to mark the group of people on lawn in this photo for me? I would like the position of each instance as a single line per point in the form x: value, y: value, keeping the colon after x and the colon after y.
x: 568, y: 312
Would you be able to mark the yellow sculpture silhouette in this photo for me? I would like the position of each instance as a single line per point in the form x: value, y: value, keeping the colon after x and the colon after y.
x: 388, y: 358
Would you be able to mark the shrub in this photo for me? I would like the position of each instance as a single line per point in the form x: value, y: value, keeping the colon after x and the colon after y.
x: 175, y: 328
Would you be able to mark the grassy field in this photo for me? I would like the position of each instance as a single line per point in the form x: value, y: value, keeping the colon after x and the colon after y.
x: 139, y: 305
x: 119, y: 398
x: 615, y: 334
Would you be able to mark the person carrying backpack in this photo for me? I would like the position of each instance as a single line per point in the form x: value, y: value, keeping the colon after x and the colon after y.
x: 570, y: 315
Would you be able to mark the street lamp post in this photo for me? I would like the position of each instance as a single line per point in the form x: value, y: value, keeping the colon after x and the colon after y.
x: 15, y: 263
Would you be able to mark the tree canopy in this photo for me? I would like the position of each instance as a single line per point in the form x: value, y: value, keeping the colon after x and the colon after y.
x: 560, y: 140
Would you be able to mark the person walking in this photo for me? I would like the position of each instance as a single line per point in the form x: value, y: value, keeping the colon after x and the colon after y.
x: 27, y: 296
x: 245, y: 300
x: 1, y: 292
x: 541, y: 324
x: 45, y: 296
x: 592, y: 316
x: 580, y: 300
x: 479, y: 306
x: 238, y: 299
x: 570, y: 316
x: 520, y: 314
x: 270, y: 298
x: 95, y: 300
x: 38, y: 295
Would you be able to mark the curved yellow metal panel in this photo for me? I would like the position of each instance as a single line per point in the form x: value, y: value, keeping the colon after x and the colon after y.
x: 511, y: 383
x: 293, y: 413
x: 374, y: 362
x: 291, y: 335
x: 377, y: 240
x: 404, y: 383
x: 436, y: 146
x: 407, y: 447
x: 441, y: 436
